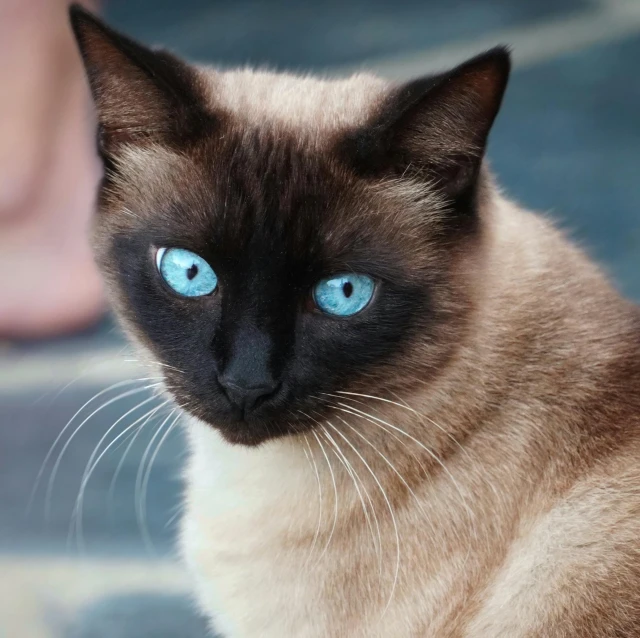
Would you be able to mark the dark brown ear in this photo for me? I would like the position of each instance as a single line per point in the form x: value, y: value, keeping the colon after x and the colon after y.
x: 436, y: 127
x: 140, y: 94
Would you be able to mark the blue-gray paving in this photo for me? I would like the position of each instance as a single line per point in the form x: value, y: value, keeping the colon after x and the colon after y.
x: 104, y: 334
x: 139, y: 616
x: 48, y: 518
x: 315, y: 35
x: 567, y: 142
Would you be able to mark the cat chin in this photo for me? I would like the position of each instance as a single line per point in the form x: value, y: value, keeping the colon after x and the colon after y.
x: 235, y: 428
x: 252, y: 433
x: 243, y: 435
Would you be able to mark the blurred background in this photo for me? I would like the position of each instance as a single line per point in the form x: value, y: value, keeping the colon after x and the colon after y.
x: 89, y: 467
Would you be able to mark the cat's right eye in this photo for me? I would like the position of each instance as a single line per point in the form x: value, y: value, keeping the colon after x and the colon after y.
x: 185, y: 272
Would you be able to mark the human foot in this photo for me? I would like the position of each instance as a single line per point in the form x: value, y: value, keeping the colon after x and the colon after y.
x: 48, y: 281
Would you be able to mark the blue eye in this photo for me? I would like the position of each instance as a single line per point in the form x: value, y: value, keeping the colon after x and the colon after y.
x: 344, y: 295
x: 187, y: 273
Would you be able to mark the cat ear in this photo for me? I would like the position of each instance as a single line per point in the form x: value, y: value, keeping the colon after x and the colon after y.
x: 139, y: 93
x: 436, y: 127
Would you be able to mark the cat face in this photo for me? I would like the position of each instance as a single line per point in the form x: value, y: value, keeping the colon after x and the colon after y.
x: 272, y: 261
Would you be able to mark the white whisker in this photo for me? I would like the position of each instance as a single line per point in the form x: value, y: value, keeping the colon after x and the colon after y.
x: 391, y: 512
x: 151, y: 364
x: 395, y: 470
x: 335, y: 494
x: 356, y: 479
x: 114, y: 425
x: 312, y: 460
x: 64, y: 429
x: 393, y: 435
x: 173, y: 516
x: 141, y: 492
x: 116, y: 474
x: 380, y: 423
x: 437, y: 425
x: 405, y: 406
x: 76, y: 515
x: 56, y: 466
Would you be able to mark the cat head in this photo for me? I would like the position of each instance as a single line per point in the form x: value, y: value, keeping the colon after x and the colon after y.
x: 274, y: 240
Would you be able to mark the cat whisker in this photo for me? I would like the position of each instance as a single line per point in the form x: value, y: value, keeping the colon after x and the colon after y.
x: 385, y: 425
x: 342, y: 394
x: 423, y: 416
x: 355, y: 478
x: 141, y: 465
x: 335, y: 495
x: 152, y: 364
x: 76, y: 515
x: 56, y: 465
x: 310, y: 456
x: 395, y: 470
x: 65, y: 428
x: 141, y: 491
x: 112, y: 486
x: 174, y: 516
x: 390, y: 508
x: 404, y: 406
x: 110, y: 429
x: 393, y: 435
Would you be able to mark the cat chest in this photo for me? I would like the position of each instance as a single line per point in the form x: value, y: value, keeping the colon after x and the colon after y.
x: 248, y: 566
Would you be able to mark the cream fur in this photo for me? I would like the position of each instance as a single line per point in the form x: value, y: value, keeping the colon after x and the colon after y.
x: 498, y: 499
x: 309, y: 104
x: 492, y: 555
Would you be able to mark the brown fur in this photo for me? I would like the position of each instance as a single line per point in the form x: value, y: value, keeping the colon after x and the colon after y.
x: 499, y: 441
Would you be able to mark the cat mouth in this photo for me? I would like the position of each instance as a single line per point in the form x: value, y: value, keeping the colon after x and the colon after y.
x: 252, y: 432
x: 254, y: 422
x: 258, y: 426
x: 269, y: 416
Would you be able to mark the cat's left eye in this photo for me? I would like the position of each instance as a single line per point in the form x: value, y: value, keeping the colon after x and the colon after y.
x: 185, y: 272
x: 344, y: 295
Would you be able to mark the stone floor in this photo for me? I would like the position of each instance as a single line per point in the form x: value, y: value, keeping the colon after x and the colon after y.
x: 567, y: 143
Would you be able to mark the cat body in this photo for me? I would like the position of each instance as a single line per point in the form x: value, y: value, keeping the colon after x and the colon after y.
x: 412, y: 407
x: 530, y: 527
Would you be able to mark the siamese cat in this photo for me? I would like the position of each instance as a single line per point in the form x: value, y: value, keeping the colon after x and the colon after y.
x: 413, y: 407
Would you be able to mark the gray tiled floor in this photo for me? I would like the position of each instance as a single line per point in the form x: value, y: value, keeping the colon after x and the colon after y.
x: 164, y: 617
x: 109, y: 519
x: 312, y: 35
x: 567, y: 141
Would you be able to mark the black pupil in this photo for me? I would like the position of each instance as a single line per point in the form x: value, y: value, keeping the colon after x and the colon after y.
x: 192, y: 271
x: 347, y: 289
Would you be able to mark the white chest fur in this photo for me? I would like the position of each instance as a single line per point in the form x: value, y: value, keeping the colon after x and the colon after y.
x: 251, y: 519
x: 250, y: 516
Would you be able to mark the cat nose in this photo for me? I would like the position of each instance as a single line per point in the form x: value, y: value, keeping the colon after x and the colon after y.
x: 244, y: 395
